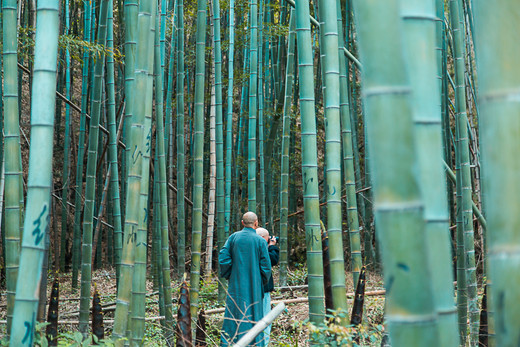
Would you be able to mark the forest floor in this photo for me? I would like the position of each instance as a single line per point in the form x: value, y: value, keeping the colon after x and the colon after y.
x: 290, y: 329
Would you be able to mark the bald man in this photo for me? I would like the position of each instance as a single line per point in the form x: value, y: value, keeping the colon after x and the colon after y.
x: 274, y: 256
x: 244, y: 262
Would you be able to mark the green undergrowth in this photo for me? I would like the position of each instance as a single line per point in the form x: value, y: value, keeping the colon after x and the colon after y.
x: 334, y: 334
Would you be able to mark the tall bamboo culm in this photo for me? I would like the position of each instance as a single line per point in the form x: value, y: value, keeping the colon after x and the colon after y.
x: 210, y: 230
x: 260, y: 113
x: 86, y: 247
x: 229, y: 120
x: 239, y: 172
x: 78, y: 198
x: 198, y: 163
x: 229, y: 137
x: 286, y: 131
x: 465, y: 238
x: 112, y: 149
x: 410, y: 312
x: 330, y: 62
x: 145, y: 106
x: 162, y: 190
x: 219, y: 127
x: 66, y: 148
x: 144, y: 54
x: 181, y: 213
x: 253, y: 89
x: 348, y: 155
x: 169, y: 134
x: 499, y: 82
x: 131, y: 9
x: 310, y: 163
x: 11, y: 154
x: 36, y: 222
x: 419, y: 20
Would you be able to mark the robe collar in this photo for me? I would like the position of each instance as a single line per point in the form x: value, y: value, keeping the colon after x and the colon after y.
x: 249, y: 229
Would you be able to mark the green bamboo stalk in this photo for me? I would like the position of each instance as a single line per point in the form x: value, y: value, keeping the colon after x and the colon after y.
x: 157, y: 246
x: 198, y: 149
x: 330, y: 59
x: 491, y: 340
x: 162, y: 39
x: 419, y: 18
x: 212, y: 185
x: 371, y: 258
x: 410, y: 313
x: 137, y: 314
x: 229, y: 120
x: 162, y: 27
x: 498, y: 81
x: 253, y: 106
x: 353, y: 107
x: 309, y: 163
x: 228, y: 211
x: 86, y: 249
x: 143, y: 57
x: 260, y: 81
x: 36, y: 224
x: 93, y: 37
x: 100, y: 188
x: 101, y: 203
x: 66, y: 148
x: 164, y: 255
x: 13, y: 174
x: 348, y: 156
x: 240, y: 141
x: 2, y: 177
x: 109, y: 253
x: 112, y: 149
x: 144, y: 106
x: 219, y: 127
x: 130, y: 17
x: 78, y: 199
x: 465, y: 219
x: 292, y: 221
x: 169, y: 134
x: 276, y: 70
x: 181, y: 213
x: 59, y: 89
x: 266, y: 178
x: 286, y: 130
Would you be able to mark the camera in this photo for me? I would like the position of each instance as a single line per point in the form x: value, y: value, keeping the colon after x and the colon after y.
x: 275, y: 238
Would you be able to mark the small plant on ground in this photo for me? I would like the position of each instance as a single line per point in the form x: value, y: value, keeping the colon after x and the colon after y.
x: 334, y: 334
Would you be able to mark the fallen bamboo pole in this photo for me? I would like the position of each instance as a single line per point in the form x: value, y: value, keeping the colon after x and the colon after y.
x: 296, y: 301
x: 260, y: 326
x: 290, y: 288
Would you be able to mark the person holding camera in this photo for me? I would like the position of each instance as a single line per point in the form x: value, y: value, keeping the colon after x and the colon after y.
x: 274, y: 256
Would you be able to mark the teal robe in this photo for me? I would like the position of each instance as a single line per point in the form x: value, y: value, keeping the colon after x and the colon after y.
x: 244, y: 262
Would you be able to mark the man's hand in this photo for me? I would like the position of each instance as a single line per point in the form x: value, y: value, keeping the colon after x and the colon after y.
x: 272, y: 241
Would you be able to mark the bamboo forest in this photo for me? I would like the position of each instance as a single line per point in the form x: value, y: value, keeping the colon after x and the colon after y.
x: 373, y: 139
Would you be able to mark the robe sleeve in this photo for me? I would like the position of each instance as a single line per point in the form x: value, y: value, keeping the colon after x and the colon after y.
x: 265, y: 263
x: 274, y: 255
x: 225, y: 260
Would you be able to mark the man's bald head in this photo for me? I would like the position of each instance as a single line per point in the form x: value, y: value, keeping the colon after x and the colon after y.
x: 262, y: 232
x: 249, y: 219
